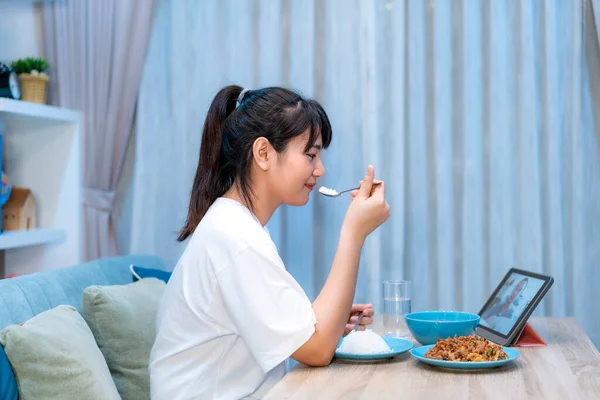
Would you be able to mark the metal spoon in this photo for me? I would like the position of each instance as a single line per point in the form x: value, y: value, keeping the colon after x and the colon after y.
x: 360, y: 317
x: 334, y: 193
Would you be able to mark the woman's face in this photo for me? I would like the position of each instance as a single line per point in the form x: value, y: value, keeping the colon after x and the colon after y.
x: 296, y: 171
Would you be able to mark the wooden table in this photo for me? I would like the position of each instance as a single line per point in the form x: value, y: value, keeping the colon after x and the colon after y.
x: 568, y: 368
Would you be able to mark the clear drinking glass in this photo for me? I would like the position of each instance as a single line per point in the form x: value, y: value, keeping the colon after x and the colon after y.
x: 396, y: 304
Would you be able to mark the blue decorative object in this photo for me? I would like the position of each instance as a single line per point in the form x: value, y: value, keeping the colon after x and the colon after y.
x: 4, y: 186
x: 141, y: 273
x: 419, y: 353
x: 428, y: 326
x: 8, y: 383
x: 398, y: 346
x: 4, y: 190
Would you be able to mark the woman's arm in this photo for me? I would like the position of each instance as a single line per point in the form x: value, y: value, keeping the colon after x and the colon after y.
x: 333, y: 304
x: 332, y: 307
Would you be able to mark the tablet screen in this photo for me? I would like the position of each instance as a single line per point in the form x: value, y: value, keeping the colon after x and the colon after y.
x: 502, y: 312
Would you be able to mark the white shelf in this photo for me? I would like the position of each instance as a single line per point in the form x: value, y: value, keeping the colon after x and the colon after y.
x: 16, y: 239
x: 42, y: 152
x: 24, y: 110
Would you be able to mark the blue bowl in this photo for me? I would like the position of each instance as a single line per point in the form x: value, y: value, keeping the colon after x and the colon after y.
x: 428, y: 326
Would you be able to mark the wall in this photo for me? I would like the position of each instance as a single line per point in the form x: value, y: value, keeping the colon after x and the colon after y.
x: 20, y: 30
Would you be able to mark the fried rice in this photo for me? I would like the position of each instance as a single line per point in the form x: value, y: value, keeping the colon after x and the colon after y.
x: 466, y: 348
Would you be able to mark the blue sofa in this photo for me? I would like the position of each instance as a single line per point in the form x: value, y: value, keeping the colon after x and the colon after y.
x: 26, y: 296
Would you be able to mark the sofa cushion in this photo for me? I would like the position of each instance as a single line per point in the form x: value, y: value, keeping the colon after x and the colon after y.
x: 122, y: 318
x: 8, y: 384
x: 25, y: 296
x: 54, y: 355
x: 138, y: 273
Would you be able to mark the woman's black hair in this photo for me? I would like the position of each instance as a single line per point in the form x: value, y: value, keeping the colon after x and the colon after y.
x: 229, y: 133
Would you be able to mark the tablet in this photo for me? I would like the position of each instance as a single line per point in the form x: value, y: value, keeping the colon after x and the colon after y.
x: 505, y: 314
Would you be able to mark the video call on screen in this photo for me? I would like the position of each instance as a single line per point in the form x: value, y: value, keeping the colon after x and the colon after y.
x: 510, y: 302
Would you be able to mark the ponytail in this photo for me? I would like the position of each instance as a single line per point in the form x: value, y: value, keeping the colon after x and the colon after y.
x: 210, y: 181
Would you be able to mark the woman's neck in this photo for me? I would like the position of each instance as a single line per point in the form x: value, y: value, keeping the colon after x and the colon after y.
x: 261, y: 209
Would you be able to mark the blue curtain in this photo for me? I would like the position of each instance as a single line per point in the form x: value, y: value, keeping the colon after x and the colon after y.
x: 477, y: 114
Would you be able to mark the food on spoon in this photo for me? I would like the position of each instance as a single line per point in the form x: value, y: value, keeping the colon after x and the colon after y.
x: 326, y: 190
x: 466, y: 348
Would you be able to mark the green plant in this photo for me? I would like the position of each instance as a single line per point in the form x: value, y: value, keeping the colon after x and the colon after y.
x: 26, y: 65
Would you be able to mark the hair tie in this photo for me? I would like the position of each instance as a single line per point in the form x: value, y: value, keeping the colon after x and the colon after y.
x: 241, y: 97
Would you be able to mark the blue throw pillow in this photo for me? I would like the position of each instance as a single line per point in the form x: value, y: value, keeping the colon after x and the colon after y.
x: 8, y: 383
x: 141, y: 273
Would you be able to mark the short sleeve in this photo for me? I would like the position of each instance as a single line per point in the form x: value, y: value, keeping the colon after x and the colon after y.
x: 269, y: 309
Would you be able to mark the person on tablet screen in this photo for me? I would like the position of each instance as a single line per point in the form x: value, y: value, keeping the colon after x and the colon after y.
x: 508, y: 310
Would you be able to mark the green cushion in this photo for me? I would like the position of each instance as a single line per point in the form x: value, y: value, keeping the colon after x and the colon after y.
x: 122, y: 319
x: 54, y: 356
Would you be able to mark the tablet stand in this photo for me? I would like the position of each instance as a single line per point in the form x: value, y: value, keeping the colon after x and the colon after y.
x: 528, y: 338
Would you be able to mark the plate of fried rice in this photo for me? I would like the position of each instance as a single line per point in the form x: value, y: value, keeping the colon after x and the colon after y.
x: 465, y: 352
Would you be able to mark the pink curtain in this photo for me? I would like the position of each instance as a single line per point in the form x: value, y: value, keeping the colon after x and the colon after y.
x: 96, y: 50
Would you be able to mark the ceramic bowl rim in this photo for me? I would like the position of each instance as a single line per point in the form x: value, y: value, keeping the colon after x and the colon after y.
x: 474, y: 317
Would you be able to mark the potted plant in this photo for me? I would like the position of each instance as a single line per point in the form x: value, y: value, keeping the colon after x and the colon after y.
x: 33, y: 78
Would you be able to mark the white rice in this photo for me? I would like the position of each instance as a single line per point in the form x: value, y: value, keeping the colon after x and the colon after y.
x: 326, y: 190
x: 364, y: 342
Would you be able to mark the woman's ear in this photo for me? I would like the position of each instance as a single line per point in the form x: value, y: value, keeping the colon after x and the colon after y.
x: 262, y: 152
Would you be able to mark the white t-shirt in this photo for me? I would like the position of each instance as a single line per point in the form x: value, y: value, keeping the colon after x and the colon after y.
x: 230, y: 315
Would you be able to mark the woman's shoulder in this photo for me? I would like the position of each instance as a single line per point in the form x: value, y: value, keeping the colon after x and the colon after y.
x: 221, y: 242
x: 227, y: 224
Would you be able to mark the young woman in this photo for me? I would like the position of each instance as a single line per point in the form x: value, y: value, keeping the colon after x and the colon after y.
x: 231, y: 314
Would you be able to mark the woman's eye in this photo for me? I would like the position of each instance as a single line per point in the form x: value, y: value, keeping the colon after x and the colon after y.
x: 312, y: 156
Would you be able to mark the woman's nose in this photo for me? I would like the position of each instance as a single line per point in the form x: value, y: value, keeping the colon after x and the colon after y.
x: 320, y: 170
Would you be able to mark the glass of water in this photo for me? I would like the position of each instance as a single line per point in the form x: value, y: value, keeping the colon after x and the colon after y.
x: 396, y: 304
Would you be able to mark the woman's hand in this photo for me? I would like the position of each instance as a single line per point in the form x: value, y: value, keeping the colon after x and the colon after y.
x: 368, y: 208
x: 367, y: 310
